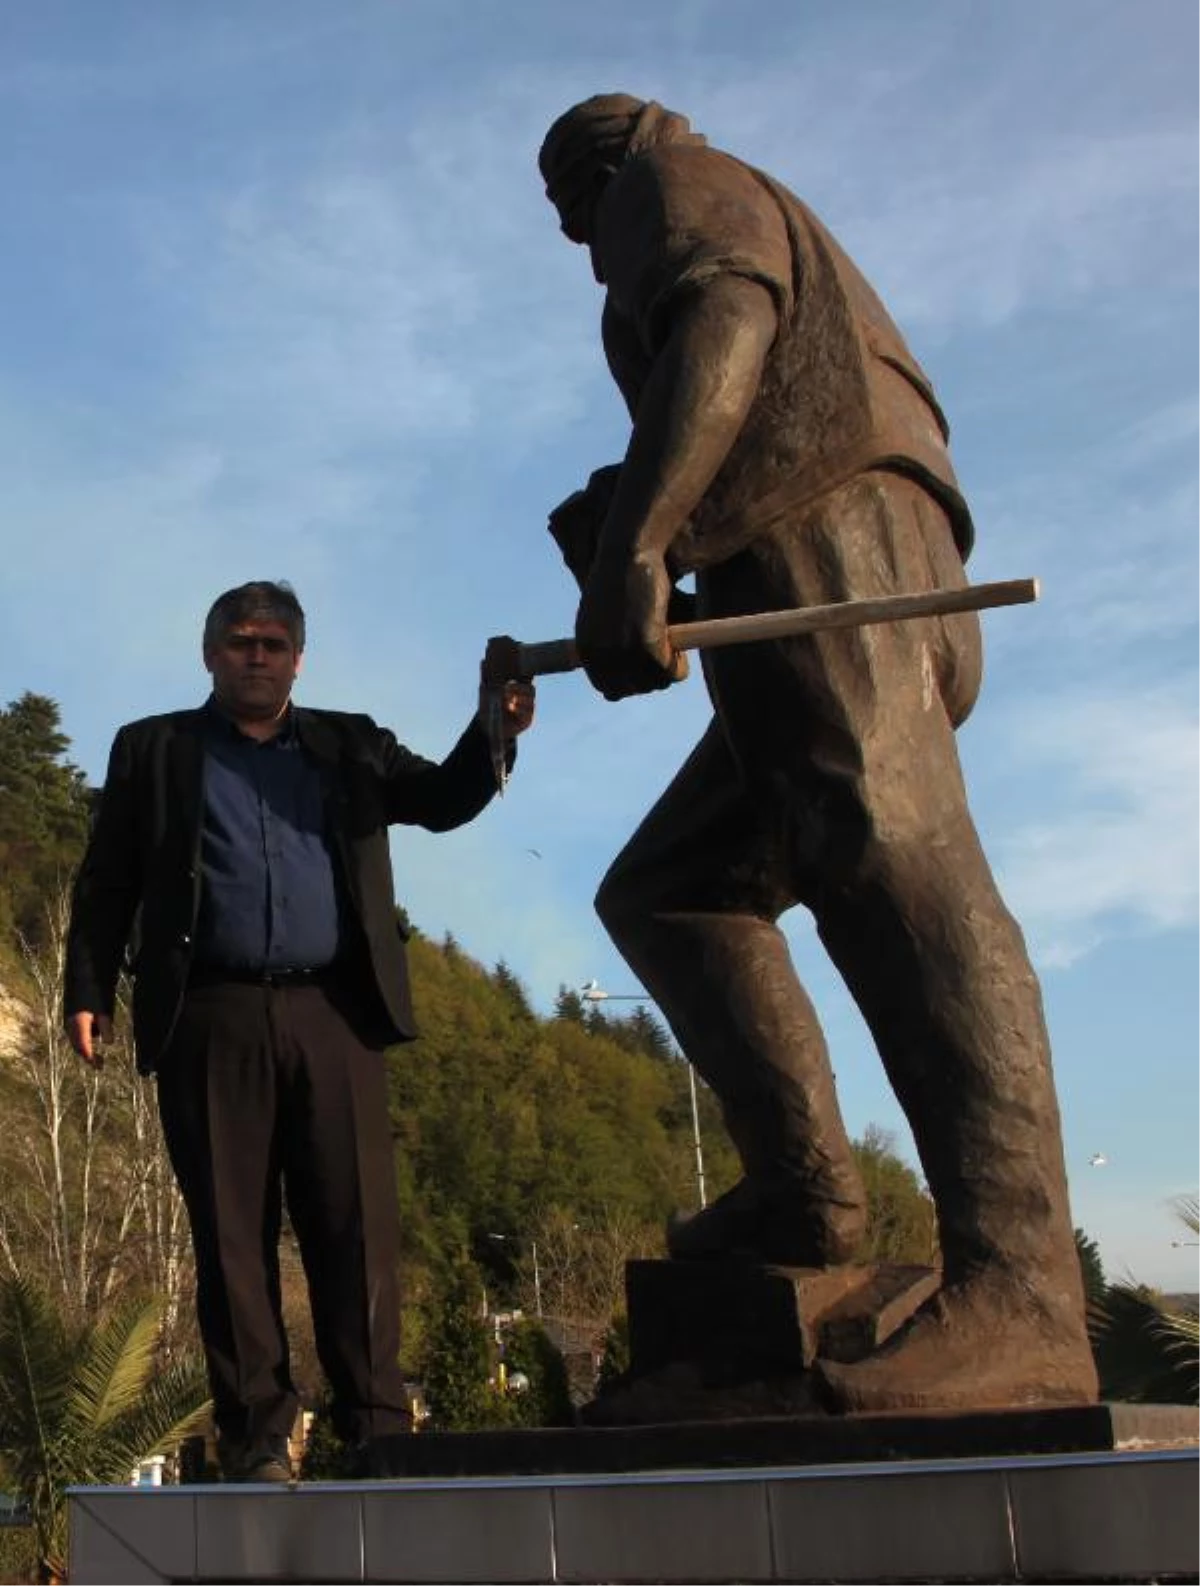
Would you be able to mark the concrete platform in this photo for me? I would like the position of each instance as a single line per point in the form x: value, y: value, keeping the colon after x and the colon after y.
x: 1129, y: 1516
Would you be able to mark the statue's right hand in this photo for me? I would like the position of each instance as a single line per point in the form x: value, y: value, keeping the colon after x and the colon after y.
x: 621, y: 628
x: 86, y: 1033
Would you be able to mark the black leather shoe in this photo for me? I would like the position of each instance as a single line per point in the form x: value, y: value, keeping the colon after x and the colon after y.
x: 266, y: 1461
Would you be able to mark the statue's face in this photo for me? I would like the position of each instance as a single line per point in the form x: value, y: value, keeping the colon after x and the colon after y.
x: 577, y: 206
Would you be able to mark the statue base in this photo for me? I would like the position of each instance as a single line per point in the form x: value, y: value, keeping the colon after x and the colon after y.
x: 796, y: 1441
x: 736, y: 1340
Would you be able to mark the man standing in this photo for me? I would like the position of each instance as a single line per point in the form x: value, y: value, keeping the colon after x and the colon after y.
x: 243, y: 847
x: 788, y: 450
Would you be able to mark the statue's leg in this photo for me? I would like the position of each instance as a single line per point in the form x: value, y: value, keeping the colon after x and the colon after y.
x: 957, y: 1019
x: 691, y: 904
x: 906, y: 905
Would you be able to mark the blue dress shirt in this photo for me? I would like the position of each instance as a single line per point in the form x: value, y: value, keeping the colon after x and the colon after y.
x: 269, y: 895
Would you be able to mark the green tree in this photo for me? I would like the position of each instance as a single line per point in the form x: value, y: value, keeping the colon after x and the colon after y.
x: 459, y: 1364
x: 43, y: 812
x: 511, y: 988
x: 326, y: 1457
x: 83, y: 1405
x: 569, y: 1005
x: 901, y: 1224
x: 546, y: 1401
x: 646, y: 1034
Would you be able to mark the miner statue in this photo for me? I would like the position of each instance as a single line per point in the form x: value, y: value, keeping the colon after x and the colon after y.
x: 787, y: 450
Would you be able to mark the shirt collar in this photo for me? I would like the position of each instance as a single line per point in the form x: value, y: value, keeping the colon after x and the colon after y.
x: 217, y: 721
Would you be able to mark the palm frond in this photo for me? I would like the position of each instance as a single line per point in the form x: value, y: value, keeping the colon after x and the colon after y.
x: 85, y: 1405
x: 1179, y: 1331
x: 174, y: 1406
x: 1187, y: 1209
x: 1141, y: 1347
x: 35, y: 1375
x: 115, y: 1364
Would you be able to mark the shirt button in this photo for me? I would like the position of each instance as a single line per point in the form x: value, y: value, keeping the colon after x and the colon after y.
x: 185, y: 940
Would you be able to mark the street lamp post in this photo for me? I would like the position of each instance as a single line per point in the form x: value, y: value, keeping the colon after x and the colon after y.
x: 591, y: 992
x: 508, y: 1239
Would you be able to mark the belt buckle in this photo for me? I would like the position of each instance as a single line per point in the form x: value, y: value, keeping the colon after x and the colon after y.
x: 280, y: 978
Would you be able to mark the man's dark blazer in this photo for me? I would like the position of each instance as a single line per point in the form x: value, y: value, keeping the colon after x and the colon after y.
x: 143, y: 860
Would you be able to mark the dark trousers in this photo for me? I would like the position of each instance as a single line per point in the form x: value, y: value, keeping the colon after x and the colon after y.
x: 266, y: 1092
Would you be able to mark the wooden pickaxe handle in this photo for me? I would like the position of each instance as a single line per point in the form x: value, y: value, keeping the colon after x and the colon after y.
x: 561, y: 655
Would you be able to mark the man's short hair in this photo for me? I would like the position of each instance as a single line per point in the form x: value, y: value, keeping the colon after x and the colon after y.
x: 260, y: 601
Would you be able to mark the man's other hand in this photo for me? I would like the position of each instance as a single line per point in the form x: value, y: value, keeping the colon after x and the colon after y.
x: 87, y: 1032
x: 517, y: 700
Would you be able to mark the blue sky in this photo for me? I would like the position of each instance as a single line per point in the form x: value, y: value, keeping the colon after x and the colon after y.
x: 282, y: 298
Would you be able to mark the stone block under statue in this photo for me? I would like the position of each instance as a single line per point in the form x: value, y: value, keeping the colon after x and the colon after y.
x: 720, y: 1340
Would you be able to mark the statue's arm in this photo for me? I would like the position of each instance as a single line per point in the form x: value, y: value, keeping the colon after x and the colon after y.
x: 715, y: 339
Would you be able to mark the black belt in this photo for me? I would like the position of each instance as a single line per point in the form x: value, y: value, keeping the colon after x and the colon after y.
x: 219, y: 975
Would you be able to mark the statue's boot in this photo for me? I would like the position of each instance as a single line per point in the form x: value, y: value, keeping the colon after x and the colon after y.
x: 727, y: 987
x: 939, y: 969
x: 976, y: 1345
x: 781, y: 1224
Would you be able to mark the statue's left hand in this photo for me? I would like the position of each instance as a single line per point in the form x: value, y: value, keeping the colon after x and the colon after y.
x: 576, y: 523
x: 621, y: 627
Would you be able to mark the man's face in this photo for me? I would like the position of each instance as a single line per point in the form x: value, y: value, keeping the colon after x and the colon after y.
x: 253, y: 668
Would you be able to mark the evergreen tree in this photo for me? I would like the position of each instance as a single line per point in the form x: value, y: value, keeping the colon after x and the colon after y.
x: 43, y: 813
x: 597, y: 1022
x: 646, y: 1034
x: 546, y: 1401
x: 326, y: 1456
x: 569, y: 1006
x: 512, y: 990
x: 458, y: 1366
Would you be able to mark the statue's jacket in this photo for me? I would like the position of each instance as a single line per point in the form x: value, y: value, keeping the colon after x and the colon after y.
x: 140, y: 879
x: 841, y: 392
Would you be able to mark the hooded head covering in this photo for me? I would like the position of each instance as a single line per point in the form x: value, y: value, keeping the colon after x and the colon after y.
x: 592, y: 140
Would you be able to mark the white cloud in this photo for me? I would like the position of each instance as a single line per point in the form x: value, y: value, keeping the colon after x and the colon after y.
x: 971, y: 189
x: 1062, y: 219
x: 1116, y: 852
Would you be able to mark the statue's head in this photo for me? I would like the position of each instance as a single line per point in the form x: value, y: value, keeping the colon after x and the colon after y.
x: 589, y: 143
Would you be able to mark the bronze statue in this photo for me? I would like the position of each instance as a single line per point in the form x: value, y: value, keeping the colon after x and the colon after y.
x: 788, y: 450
